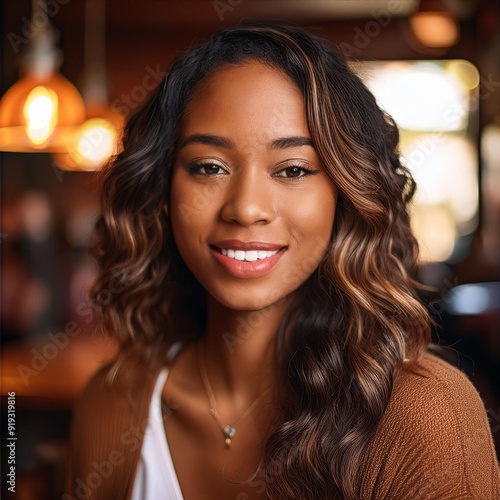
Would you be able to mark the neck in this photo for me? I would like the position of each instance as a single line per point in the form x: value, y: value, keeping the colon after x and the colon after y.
x: 240, y: 349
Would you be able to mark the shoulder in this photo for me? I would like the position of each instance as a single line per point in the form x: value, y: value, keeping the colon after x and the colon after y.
x: 115, y: 398
x: 116, y: 385
x: 434, y: 439
x: 109, y: 422
x: 124, y: 384
x: 431, y: 389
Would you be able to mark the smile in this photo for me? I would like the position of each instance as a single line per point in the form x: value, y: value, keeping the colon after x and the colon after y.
x: 247, y: 259
x: 248, y: 255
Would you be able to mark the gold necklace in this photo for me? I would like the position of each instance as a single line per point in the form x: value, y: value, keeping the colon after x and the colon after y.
x: 228, y: 431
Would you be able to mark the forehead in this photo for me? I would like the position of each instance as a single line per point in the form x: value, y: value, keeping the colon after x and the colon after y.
x: 251, y: 96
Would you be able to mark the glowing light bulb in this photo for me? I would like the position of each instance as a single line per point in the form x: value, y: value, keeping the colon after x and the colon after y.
x: 95, y: 144
x: 40, y: 113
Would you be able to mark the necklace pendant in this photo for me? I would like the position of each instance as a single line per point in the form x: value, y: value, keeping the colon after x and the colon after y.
x: 229, y: 431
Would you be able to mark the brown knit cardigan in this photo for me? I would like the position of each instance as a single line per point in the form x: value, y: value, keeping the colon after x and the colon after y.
x: 434, y: 441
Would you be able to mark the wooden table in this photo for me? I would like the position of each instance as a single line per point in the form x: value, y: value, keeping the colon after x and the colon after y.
x: 44, y: 374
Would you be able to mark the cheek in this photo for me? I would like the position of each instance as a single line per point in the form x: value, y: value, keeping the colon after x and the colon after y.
x: 185, y: 209
x: 313, y: 225
x: 315, y: 213
x: 190, y: 202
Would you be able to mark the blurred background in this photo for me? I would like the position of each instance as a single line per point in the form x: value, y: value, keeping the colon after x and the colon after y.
x: 73, y: 71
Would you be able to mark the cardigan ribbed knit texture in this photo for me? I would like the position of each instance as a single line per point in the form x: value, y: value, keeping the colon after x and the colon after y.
x: 434, y: 441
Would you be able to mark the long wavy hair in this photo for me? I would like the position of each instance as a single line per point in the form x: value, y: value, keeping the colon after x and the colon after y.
x: 359, y: 316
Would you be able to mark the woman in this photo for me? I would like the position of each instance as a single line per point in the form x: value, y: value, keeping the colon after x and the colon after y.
x: 272, y: 342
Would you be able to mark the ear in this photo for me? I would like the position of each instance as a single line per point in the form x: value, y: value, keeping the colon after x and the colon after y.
x: 165, y: 209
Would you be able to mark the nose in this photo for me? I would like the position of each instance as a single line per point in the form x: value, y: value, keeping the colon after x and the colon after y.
x: 249, y: 199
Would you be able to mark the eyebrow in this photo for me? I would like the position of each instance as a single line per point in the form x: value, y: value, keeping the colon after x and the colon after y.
x: 208, y: 140
x: 224, y: 142
x: 291, y: 142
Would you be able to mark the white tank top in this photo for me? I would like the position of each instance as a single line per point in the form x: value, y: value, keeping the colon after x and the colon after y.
x: 155, y: 478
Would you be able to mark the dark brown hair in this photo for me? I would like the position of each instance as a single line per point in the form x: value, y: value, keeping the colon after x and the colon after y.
x: 359, y: 315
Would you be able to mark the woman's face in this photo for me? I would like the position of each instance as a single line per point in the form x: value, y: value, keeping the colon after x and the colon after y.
x: 251, y: 205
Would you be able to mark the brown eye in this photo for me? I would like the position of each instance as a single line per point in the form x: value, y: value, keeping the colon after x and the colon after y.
x: 208, y: 169
x: 294, y: 172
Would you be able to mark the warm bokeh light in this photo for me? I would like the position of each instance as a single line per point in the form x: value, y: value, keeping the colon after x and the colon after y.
x: 465, y: 72
x: 434, y: 229
x: 435, y: 29
x: 433, y: 103
x: 422, y: 96
x: 94, y: 144
x: 441, y: 166
x: 40, y: 112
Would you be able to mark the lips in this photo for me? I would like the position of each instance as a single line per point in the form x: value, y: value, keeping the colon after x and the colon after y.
x: 247, y: 259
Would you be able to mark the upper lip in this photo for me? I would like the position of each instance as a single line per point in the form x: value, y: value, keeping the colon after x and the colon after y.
x: 247, y: 245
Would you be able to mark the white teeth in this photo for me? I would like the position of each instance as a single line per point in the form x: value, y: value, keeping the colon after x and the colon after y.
x: 249, y: 255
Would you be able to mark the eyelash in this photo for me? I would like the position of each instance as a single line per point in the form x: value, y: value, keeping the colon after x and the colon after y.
x: 195, y: 168
x: 307, y: 171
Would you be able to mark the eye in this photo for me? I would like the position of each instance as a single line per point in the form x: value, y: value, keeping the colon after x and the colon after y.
x: 294, y: 172
x: 208, y: 168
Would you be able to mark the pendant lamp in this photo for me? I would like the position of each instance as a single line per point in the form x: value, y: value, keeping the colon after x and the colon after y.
x: 96, y: 140
x: 43, y: 109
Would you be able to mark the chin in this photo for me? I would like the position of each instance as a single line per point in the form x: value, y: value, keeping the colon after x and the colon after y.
x: 245, y: 302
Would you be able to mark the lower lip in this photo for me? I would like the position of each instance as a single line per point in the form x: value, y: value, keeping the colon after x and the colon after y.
x: 245, y: 269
